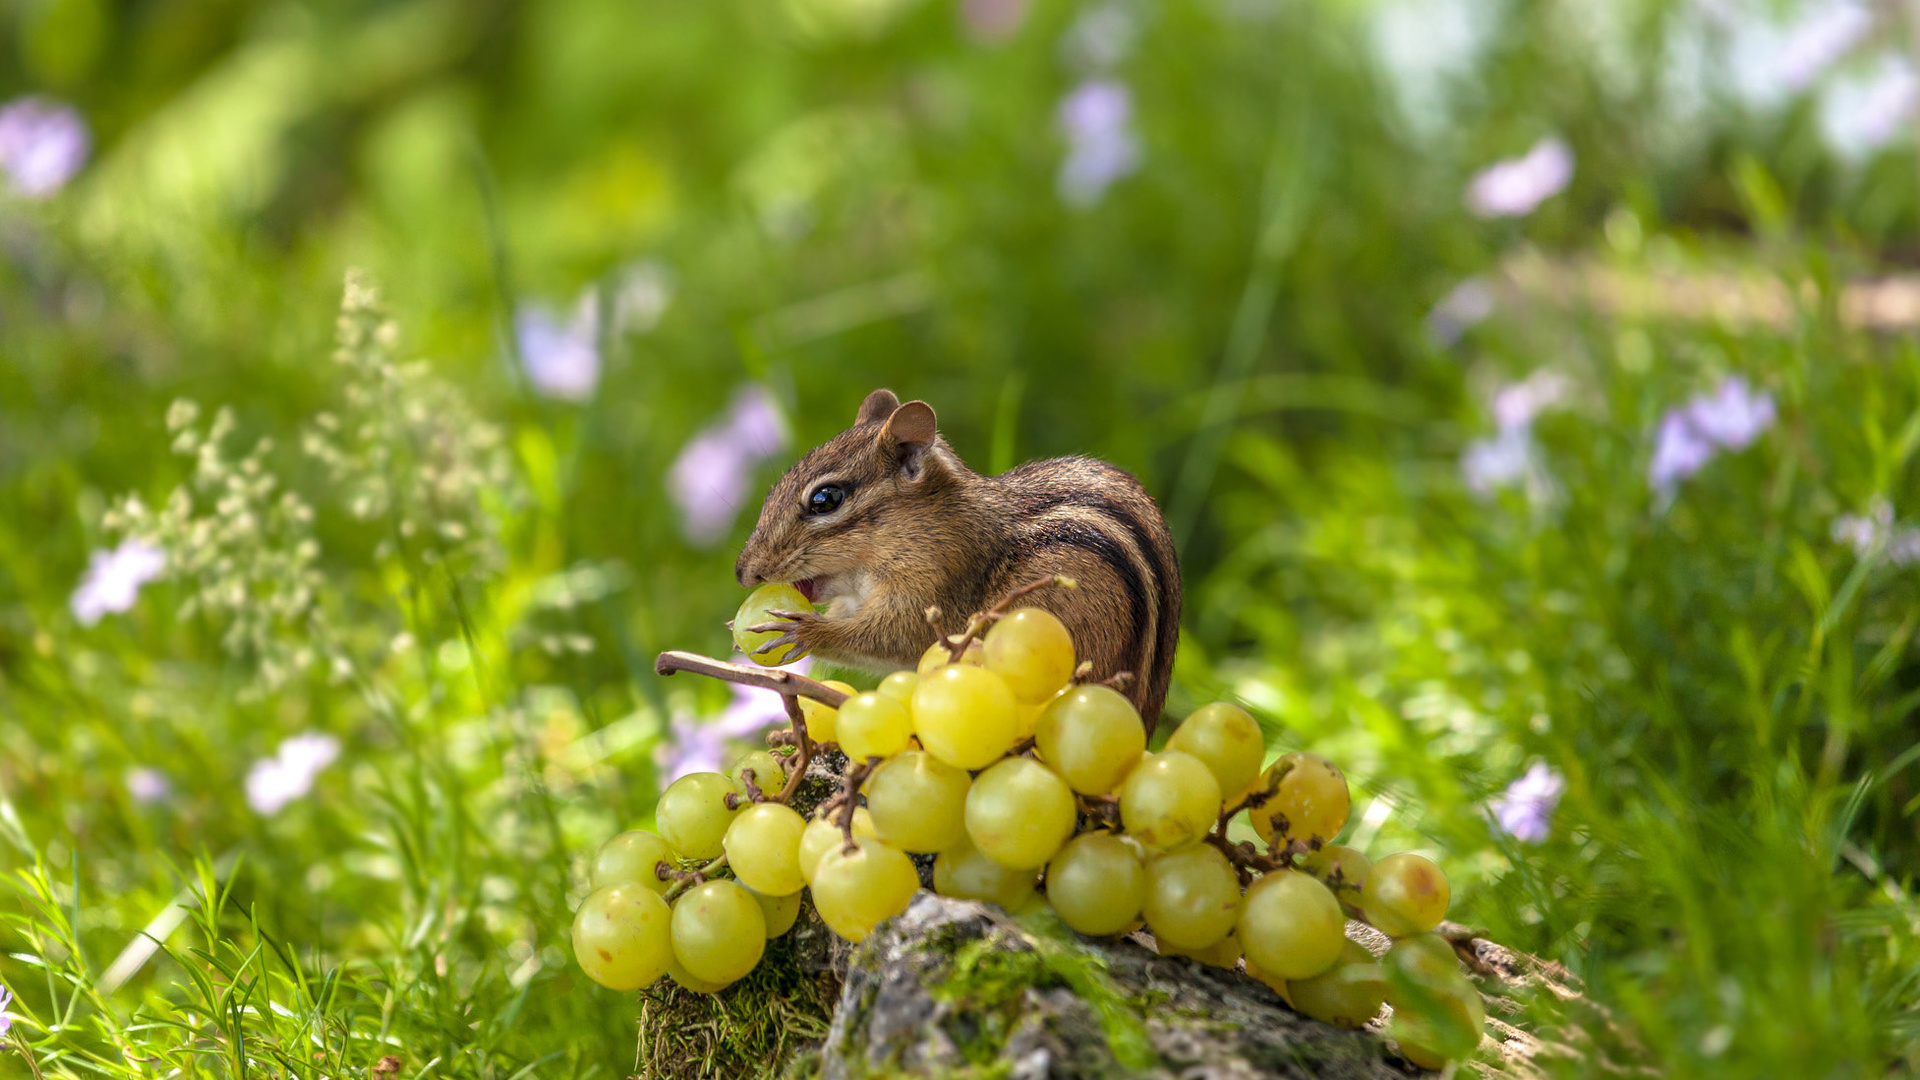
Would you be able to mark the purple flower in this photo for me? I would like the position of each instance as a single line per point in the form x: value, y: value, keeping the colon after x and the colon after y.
x: 1501, y: 461
x: 148, y: 785
x: 562, y: 358
x: 113, y: 579
x: 698, y: 745
x: 1516, y: 405
x: 1101, y: 147
x: 1514, y: 187
x: 1525, y: 811
x: 42, y: 145
x: 1463, y: 308
x: 274, y: 782
x: 1859, y: 116
x: 711, y: 478
x: 1733, y: 415
x: 993, y: 20
x: 6, y: 1018
x: 1679, y: 451
x: 1691, y: 435
x: 1511, y: 456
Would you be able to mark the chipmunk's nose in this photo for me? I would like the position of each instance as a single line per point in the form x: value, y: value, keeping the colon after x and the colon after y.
x: 744, y: 574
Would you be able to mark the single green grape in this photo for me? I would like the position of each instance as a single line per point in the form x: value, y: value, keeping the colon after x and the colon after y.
x: 688, y: 981
x: 632, y: 856
x: 622, y: 936
x: 769, y: 773
x: 873, y: 725
x: 1437, y: 1012
x: 899, y: 686
x: 963, y: 873
x: 1192, y: 898
x: 773, y: 596
x: 1168, y: 800
x: 692, y: 814
x: 1031, y: 649
x: 1307, y: 801
x: 1348, y: 994
x: 1228, y: 740
x: 821, y: 719
x: 918, y: 802
x: 1405, y: 894
x: 965, y: 716
x: 1340, y: 868
x: 823, y: 833
x: 763, y: 848
x: 719, y: 933
x: 1291, y: 925
x: 1019, y: 813
x: 781, y: 912
x: 1093, y: 736
x: 940, y: 654
x: 1097, y: 883
x: 854, y: 892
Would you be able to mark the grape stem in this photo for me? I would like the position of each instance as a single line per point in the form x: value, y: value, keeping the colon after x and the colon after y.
x: 979, y: 623
x: 687, y: 879
x: 849, y: 798
x: 786, y: 682
x: 803, y: 757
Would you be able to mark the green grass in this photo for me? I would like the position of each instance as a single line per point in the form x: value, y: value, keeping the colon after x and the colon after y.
x: 471, y: 582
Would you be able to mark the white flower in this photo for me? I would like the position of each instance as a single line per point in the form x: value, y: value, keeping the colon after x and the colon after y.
x: 1861, y: 115
x: 1100, y: 39
x: 1514, y: 187
x: 274, y: 782
x: 148, y: 785
x: 1426, y: 48
x: 113, y: 579
x: 1525, y: 810
x: 1463, y: 308
x: 1102, y: 149
x: 1769, y: 63
x: 42, y: 145
x: 562, y: 358
x: 1874, y: 535
x: 641, y: 296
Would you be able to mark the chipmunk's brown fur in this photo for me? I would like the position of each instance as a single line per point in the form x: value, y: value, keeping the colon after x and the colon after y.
x: 913, y: 527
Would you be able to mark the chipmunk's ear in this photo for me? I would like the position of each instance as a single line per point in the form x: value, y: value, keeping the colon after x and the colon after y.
x: 878, y: 406
x: 908, y: 435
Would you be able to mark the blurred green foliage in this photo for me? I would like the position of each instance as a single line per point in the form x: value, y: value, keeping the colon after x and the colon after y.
x: 853, y: 193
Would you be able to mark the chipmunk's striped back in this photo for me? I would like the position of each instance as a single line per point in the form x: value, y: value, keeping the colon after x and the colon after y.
x: 1081, y: 513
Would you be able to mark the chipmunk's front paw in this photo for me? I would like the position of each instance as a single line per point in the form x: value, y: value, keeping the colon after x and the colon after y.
x: 796, y: 628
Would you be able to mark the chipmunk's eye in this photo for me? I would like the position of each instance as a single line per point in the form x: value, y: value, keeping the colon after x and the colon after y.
x: 825, y: 499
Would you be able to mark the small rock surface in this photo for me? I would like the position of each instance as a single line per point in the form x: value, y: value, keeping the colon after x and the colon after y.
x: 908, y: 1007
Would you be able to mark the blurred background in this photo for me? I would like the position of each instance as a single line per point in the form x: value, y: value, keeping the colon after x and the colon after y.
x: 1531, y: 386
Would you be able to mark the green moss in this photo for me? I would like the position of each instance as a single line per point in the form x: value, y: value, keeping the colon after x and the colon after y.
x: 756, y: 1028
x: 992, y: 981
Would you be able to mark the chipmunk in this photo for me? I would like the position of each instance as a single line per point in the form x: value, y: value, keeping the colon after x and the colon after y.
x: 884, y: 521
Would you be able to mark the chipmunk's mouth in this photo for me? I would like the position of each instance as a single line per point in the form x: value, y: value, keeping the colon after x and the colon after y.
x: 810, y: 588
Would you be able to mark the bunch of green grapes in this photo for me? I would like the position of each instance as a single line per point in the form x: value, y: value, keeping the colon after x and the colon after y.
x: 1029, y: 788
